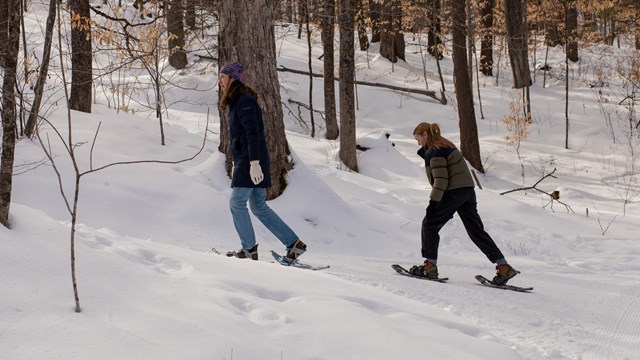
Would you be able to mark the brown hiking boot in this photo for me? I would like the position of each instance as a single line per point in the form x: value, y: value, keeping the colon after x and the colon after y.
x: 298, y: 248
x: 242, y: 253
x: 427, y: 270
x: 503, y: 274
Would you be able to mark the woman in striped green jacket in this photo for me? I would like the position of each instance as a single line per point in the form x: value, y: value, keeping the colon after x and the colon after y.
x: 452, y: 190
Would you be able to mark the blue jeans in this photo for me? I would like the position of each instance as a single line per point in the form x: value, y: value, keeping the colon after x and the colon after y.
x: 257, y: 198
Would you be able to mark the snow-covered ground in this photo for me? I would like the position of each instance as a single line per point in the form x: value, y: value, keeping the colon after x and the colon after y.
x: 151, y: 288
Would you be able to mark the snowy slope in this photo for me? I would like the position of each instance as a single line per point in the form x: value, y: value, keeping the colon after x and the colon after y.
x: 150, y: 287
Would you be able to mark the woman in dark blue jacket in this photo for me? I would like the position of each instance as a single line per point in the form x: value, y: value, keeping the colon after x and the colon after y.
x: 251, y: 167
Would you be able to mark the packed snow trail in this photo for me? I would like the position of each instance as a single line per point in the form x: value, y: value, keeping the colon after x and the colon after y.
x: 545, y: 323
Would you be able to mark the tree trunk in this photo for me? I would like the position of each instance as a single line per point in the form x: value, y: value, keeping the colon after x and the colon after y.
x: 375, y: 9
x: 81, y: 57
x: 552, y: 35
x: 363, y: 38
x: 9, y: 108
x: 434, y: 40
x: 391, y: 38
x: 471, y: 35
x: 552, y: 18
x: 566, y: 102
x: 175, y: 27
x: 613, y: 31
x: 637, y: 26
x: 571, y: 13
x: 486, y: 44
x: 310, y: 63
x: 302, y: 18
x: 190, y: 13
x: 289, y: 10
x: 346, y: 86
x: 247, y: 36
x: 469, y: 145
x: 44, y: 70
x: 328, y: 34
x: 517, y: 43
x: 4, y: 30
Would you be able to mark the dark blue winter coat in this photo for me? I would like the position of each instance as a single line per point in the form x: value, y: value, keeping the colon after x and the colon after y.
x: 248, y: 143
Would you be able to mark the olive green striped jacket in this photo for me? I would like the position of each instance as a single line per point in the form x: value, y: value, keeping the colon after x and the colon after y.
x: 446, y: 170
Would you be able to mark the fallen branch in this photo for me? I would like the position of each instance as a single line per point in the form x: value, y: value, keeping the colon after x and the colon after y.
x: 429, y: 93
x: 301, y: 104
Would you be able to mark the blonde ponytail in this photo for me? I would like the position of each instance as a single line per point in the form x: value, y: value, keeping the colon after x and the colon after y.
x: 434, y: 138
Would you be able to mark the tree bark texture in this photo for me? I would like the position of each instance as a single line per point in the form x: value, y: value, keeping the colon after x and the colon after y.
x: 391, y: 38
x: 552, y: 17
x: 346, y: 86
x: 190, y: 13
x: 375, y: 8
x: 571, y: 14
x: 363, y: 37
x: 469, y: 144
x: 9, y: 108
x: 4, y: 30
x: 637, y: 27
x: 486, y: 44
x: 517, y: 43
x: 328, y: 34
x: 81, y: 56
x: 310, y: 63
x: 434, y: 39
x: 175, y: 27
x: 247, y: 36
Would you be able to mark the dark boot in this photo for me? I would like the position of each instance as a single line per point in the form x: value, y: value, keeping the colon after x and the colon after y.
x: 242, y: 253
x: 503, y: 274
x: 427, y: 270
x: 298, y: 248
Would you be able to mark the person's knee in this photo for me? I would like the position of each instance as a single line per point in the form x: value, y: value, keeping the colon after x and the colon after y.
x: 237, y: 205
x: 259, y: 209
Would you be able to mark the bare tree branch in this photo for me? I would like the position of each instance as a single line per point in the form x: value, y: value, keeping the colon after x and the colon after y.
x: 552, y: 196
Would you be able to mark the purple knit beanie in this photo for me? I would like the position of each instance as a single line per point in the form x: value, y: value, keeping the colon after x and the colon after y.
x: 234, y: 70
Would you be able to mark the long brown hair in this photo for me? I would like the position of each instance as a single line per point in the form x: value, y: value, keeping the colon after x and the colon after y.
x: 236, y: 88
x: 435, y: 139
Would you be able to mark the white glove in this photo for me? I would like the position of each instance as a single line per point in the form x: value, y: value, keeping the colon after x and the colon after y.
x: 256, y: 172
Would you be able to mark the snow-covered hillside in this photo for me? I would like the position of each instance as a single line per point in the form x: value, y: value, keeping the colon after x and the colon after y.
x: 151, y: 288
